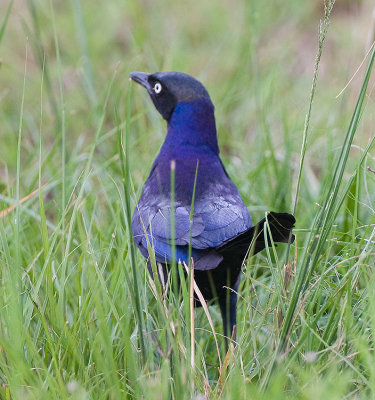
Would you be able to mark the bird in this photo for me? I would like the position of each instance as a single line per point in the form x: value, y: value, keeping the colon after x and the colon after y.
x: 213, y: 229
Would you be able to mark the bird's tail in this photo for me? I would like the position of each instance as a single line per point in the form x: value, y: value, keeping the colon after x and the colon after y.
x: 280, y: 227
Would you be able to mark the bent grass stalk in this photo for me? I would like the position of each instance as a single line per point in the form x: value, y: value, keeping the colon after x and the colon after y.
x: 323, y: 222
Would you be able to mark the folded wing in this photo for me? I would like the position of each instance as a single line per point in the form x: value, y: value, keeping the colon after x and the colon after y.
x: 214, y: 220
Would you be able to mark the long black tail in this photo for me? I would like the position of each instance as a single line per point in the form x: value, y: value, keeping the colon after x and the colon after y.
x: 280, y: 225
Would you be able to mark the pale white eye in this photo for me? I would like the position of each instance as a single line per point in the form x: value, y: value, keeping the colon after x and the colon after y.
x: 157, y: 88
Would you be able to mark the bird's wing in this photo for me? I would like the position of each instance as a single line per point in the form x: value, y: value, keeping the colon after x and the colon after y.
x: 215, y: 219
x: 157, y: 222
x: 151, y: 227
x: 185, y: 225
x: 223, y: 217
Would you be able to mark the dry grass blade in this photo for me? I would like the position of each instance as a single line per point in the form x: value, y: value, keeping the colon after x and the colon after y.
x: 205, y: 308
x: 192, y: 329
x: 357, y: 70
x: 9, y: 209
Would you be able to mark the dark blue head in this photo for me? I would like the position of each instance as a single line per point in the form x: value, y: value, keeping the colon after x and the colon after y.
x: 167, y: 89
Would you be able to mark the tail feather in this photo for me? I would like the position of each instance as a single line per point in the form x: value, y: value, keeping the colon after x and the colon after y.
x: 280, y: 227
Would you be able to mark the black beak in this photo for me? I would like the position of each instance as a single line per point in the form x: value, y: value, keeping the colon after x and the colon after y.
x: 141, y: 78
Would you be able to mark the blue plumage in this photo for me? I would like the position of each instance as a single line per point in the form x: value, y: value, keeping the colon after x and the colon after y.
x: 219, y: 212
x: 218, y: 225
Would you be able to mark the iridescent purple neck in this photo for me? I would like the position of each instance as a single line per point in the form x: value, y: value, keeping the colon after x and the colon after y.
x: 192, y: 124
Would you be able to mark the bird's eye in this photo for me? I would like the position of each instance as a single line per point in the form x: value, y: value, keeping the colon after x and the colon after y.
x: 157, y: 88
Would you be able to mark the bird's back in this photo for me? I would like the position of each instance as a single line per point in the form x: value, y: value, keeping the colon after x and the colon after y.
x: 217, y: 214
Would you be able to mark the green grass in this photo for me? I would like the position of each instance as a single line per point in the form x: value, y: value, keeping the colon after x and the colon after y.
x: 79, y: 316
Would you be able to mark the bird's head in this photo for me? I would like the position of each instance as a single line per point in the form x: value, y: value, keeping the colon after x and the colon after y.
x: 167, y: 89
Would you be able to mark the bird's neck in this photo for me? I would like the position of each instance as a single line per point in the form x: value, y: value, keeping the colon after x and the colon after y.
x: 192, y: 128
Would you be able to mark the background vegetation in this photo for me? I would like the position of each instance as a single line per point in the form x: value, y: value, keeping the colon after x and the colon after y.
x: 73, y: 324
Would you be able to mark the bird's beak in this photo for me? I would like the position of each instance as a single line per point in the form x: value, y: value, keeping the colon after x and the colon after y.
x: 141, y: 78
